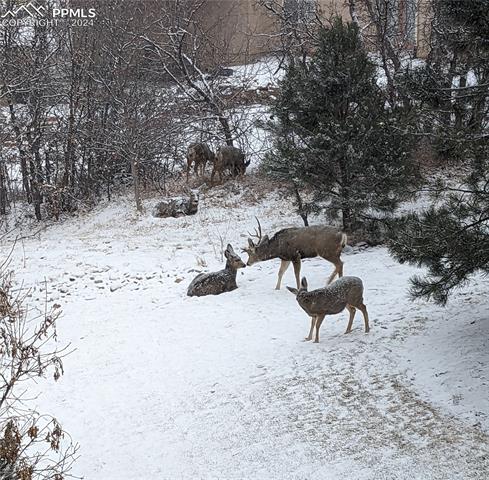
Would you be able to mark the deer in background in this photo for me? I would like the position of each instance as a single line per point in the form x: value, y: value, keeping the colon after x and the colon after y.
x: 293, y: 244
x: 229, y: 158
x: 346, y: 292
x: 215, y: 283
x: 198, y: 154
x: 177, y: 206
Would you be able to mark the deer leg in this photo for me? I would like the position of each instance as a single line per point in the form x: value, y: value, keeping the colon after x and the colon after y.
x: 331, y: 277
x: 352, y: 311
x: 311, y: 330
x: 337, y: 271
x: 319, y: 320
x: 363, y: 309
x: 189, y: 166
x: 339, y: 268
x: 297, y: 271
x: 284, y: 265
x: 212, y: 174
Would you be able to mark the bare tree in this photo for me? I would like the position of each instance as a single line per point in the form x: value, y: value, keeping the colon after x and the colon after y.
x: 191, y: 57
x: 388, y: 27
x: 297, y: 23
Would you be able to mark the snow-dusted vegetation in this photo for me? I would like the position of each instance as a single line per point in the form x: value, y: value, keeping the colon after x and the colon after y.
x: 161, y: 176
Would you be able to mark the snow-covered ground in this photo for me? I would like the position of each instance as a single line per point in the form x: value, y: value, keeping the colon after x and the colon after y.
x: 164, y: 386
x: 266, y: 72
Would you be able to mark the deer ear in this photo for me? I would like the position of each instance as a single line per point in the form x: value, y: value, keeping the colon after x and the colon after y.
x: 293, y: 290
x: 264, y: 239
x: 250, y: 243
x: 304, y: 282
x: 230, y: 249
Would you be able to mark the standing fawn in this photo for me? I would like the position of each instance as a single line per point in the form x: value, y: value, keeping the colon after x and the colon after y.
x: 346, y: 292
x: 292, y: 244
x: 219, y: 282
x: 198, y: 154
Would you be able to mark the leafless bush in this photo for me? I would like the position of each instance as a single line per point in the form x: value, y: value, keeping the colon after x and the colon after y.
x: 32, y: 446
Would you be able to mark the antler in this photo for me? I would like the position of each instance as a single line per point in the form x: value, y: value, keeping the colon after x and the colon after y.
x: 258, y: 233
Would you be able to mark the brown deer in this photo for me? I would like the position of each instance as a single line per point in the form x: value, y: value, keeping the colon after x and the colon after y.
x: 215, y: 283
x: 177, y: 206
x: 293, y: 244
x: 229, y: 158
x: 198, y: 154
x: 346, y: 292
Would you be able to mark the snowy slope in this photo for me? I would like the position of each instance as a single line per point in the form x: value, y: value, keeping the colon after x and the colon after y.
x: 163, y: 386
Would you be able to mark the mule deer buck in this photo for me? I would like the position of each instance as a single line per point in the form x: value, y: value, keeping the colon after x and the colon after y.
x: 219, y: 282
x: 198, y: 154
x: 293, y: 244
x: 346, y: 292
x: 229, y: 158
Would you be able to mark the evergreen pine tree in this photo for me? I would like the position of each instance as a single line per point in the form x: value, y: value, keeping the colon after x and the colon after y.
x: 451, y: 239
x: 334, y: 137
x: 450, y: 89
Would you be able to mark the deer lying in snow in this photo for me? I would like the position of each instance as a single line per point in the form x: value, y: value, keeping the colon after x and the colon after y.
x: 177, y: 206
x: 219, y: 282
x: 346, y: 292
x: 292, y: 244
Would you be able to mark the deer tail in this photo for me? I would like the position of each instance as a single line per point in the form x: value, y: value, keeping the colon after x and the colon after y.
x: 344, y: 239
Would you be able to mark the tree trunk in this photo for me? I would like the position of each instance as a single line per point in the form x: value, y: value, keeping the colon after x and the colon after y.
x: 346, y: 217
x: 458, y: 105
x: 227, y: 130
x: 3, y: 190
x: 135, y: 179
x: 300, y: 207
x: 344, y: 193
x: 69, y: 163
x: 20, y: 149
x: 36, y: 181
